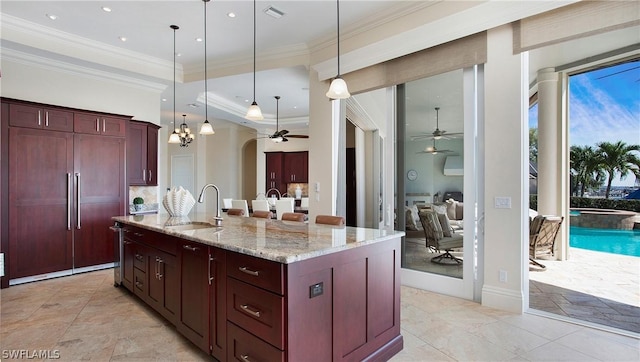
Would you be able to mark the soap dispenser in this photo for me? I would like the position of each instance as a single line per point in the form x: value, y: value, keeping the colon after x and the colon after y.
x: 298, y: 192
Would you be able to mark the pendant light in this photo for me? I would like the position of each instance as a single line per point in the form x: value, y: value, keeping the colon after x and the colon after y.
x: 207, y: 128
x: 185, y: 133
x: 338, y: 88
x: 254, y: 113
x: 278, y: 137
x: 175, y: 137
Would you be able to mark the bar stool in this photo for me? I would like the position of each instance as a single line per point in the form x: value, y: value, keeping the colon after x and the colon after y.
x: 330, y: 220
x: 235, y: 212
x: 293, y: 216
x: 262, y: 214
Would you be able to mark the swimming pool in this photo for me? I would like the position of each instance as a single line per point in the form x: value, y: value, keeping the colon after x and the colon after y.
x: 624, y: 242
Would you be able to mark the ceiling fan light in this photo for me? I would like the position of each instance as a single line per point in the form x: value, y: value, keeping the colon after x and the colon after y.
x: 254, y: 113
x: 174, y: 138
x: 277, y: 139
x: 338, y: 89
x: 206, y: 129
x: 437, y: 137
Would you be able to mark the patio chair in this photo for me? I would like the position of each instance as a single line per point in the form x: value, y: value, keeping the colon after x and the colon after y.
x: 542, y: 236
x: 436, y: 241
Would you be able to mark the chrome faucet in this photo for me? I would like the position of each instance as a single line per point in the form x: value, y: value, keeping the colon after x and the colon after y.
x: 273, y: 189
x: 258, y: 195
x: 217, y: 220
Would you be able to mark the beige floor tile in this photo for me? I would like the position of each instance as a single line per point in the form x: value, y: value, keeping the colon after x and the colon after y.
x: 603, y: 346
x: 553, y: 351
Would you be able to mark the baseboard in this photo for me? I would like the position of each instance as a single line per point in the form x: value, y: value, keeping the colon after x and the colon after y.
x: 502, y: 298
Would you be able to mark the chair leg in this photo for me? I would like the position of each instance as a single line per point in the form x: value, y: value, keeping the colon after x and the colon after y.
x: 442, y: 258
x: 531, y: 261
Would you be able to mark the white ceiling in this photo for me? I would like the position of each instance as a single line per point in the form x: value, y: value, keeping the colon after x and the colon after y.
x: 306, y: 25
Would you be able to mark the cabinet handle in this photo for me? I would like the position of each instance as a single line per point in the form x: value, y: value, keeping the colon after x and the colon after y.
x: 159, y: 262
x: 69, y: 195
x: 246, y: 270
x: 104, y: 125
x: 126, y: 242
x: 209, y: 269
x: 39, y: 118
x: 138, y: 284
x: 150, y: 175
x: 138, y: 234
x: 46, y: 119
x: 245, y: 358
x: 190, y: 248
x: 78, y: 200
x: 248, y: 310
x: 98, y: 125
x: 144, y: 175
x: 139, y: 257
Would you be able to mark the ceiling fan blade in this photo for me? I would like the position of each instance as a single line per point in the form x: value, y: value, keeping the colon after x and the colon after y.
x: 421, y: 137
x: 297, y: 136
x: 284, y: 132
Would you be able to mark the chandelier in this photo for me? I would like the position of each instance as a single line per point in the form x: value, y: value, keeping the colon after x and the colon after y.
x: 184, y: 133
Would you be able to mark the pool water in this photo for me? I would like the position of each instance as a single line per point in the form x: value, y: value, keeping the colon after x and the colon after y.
x: 624, y: 242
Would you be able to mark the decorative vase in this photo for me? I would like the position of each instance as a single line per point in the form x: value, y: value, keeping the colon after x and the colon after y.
x: 298, y: 192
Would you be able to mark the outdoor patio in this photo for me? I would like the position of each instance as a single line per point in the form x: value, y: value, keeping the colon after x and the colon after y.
x: 591, y: 286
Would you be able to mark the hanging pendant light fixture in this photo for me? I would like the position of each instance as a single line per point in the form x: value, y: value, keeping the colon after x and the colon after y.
x: 207, y: 128
x: 338, y: 88
x: 278, y: 138
x: 174, y: 137
x: 254, y: 113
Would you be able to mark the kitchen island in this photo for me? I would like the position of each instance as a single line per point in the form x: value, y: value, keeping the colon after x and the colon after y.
x: 268, y: 290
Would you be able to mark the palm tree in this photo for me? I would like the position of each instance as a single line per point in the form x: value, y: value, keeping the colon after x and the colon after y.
x: 618, y: 159
x: 533, y: 145
x: 586, y: 169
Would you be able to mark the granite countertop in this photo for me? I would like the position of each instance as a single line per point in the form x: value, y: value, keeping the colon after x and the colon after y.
x: 281, y: 241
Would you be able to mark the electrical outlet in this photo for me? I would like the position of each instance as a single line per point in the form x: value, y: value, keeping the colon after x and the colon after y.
x: 503, y: 276
x: 503, y: 202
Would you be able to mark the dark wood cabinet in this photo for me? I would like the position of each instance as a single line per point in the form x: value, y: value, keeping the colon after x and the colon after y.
x: 164, y: 283
x: 40, y: 190
x: 32, y: 116
x: 193, y: 318
x: 295, y: 165
x: 218, y: 303
x: 99, y: 124
x: 142, y: 154
x: 284, y: 168
x: 70, y: 183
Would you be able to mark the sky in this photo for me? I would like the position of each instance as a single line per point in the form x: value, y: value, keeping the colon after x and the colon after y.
x: 604, y: 105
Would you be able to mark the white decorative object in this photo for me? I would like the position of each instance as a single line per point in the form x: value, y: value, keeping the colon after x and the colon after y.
x: 178, y: 202
x: 298, y: 192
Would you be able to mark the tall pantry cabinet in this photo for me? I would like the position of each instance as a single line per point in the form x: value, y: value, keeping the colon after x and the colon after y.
x: 66, y: 179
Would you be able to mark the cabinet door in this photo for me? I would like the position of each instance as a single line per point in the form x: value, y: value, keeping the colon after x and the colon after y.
x: 113, y: 126
x: 295, y: 167
x: 127, y: 264
x: 164, y: 284
x: 194, y: 293
x: 100, y: 187
x: 137, y: 154
x: 152, y: 155
x: 40, y: 202
x: 21, y: 115
x: 88, y: 123
x: 273, y: 165
x: 218, y: 303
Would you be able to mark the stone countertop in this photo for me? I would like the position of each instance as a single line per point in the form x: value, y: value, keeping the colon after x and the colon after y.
x: 280, y: 241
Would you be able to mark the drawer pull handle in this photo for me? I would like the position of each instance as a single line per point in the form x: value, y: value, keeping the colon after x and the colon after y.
x: 246, y: 270
x: 190, y: 248
x: 139, y: 257
x: 245, y: 358
x: 247, y: 309
x: 139, y: 284
x: 138, y: 234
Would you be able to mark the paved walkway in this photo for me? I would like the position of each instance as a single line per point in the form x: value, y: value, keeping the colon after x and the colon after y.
x: 592, y: 286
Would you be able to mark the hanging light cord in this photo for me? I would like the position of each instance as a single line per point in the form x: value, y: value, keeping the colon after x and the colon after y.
x: 206, y: 101
x: 338, y: 15
x: 174, y: 27
x: 254, y: 51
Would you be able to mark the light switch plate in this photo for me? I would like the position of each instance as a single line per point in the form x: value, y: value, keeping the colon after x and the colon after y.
x: 502, y: 202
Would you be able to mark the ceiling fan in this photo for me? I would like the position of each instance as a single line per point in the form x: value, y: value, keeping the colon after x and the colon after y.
x: 437, y: 134
x: 433, y: 150
x: 281, y: 135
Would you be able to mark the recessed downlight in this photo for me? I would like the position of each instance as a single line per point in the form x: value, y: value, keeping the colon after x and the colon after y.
x: 273, y: 12
x: 106, y: 9
x: 122, y: 38
x: 199, y: 39
x: 52, y: 16
x: 231, y: 15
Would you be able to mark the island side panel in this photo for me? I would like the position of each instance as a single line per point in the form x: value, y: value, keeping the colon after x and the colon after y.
x: 357, y: 316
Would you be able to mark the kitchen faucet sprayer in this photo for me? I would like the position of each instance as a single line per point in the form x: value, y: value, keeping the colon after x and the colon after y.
x: 217, y: 219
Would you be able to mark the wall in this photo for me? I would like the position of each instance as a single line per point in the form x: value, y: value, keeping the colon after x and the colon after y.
x: 431, y: 178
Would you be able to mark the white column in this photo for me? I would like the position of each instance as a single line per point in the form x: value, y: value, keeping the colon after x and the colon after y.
x: 552, y: 152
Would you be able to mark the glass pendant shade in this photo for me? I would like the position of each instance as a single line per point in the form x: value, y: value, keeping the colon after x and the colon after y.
x: 174, y: 138
x: 277, y: 139
x: 206, y: 129
x: 254, y: 113
x: 338, y: 89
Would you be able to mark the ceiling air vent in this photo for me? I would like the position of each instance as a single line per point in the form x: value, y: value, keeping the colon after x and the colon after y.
x: 273, y: 12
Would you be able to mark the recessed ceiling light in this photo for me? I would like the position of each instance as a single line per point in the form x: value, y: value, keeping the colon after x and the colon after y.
x: 178, y: 54
x: 192, y: 105
x: 106, y: 9
x: 164, y: 99
x: 122, y: 38
x: 231, y: 15
x: 198, y: 39
x: 52, y: 16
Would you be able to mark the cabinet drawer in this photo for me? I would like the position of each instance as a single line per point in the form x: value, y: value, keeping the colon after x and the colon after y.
x: 140, y: 286
x: 243, y: 346
x: 256, y: 310
x: 139, y: 259
x: 259, y: 272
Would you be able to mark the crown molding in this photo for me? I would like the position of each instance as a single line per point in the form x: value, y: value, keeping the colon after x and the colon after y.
x: 69, y: 45
x: 49, y: 64
x: 359, y: 116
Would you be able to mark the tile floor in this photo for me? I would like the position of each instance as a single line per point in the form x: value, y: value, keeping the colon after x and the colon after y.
x: 85, y: 318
